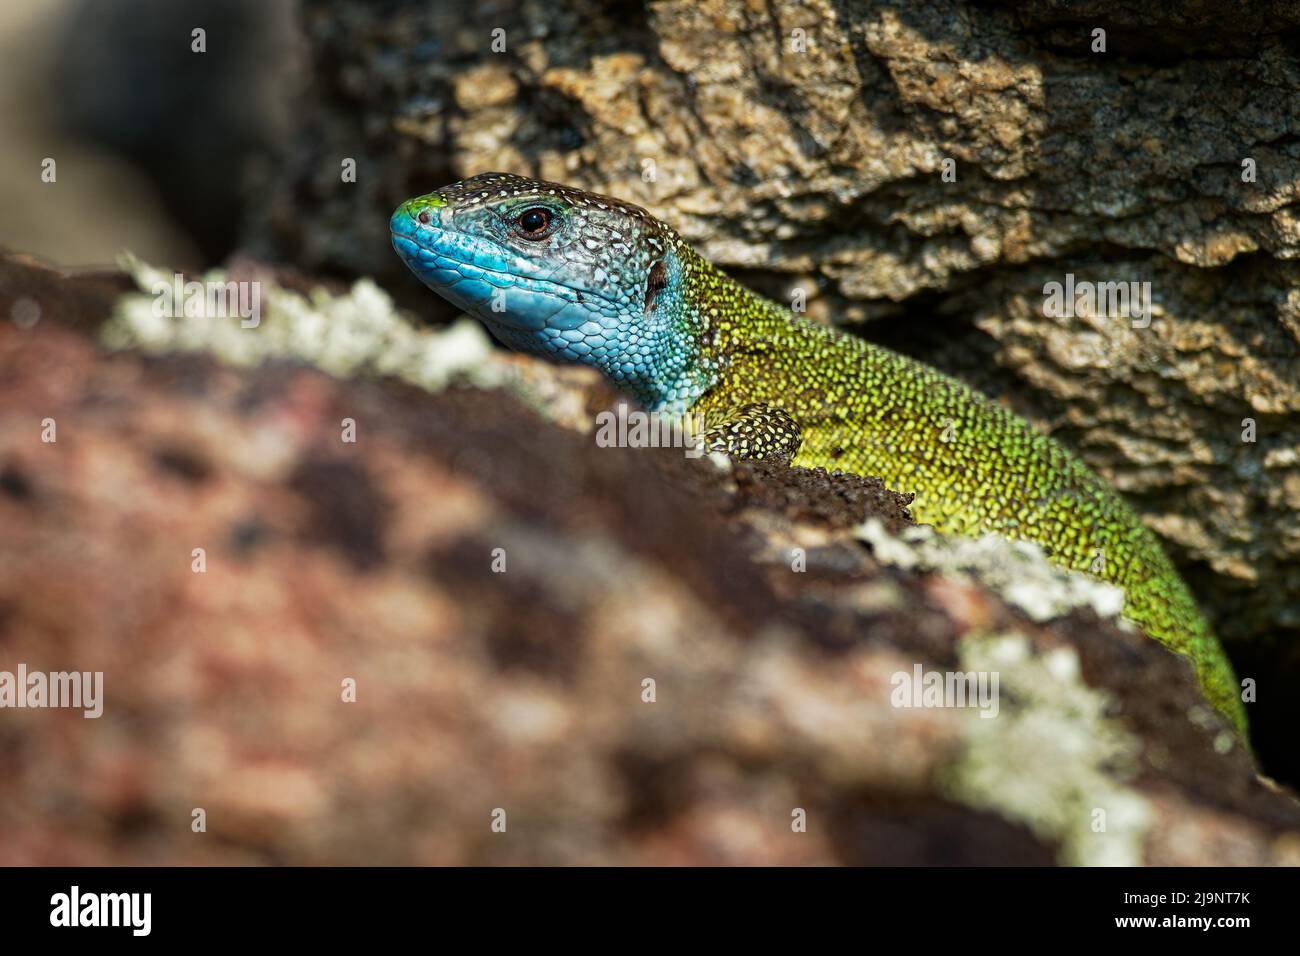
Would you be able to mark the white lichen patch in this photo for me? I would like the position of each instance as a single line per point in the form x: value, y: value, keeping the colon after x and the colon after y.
x: 720, y: 461
x: 1016, y: 570
x: 1051, y: 759
x: 357, y: 333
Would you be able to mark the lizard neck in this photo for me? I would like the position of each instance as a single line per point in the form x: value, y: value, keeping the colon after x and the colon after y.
x: 731, y: 327
x: 708, y: 320
x: 679, y: 322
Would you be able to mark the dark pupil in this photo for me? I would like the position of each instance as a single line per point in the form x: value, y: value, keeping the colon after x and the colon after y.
x: 534, y: 220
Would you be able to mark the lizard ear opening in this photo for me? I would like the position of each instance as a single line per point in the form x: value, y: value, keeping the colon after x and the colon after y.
x: 656, y: 281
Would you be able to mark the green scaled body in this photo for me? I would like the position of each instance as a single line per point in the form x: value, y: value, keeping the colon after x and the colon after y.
x: 974, y: 466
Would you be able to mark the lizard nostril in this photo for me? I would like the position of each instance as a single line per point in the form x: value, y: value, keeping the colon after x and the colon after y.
x: 423, y: 216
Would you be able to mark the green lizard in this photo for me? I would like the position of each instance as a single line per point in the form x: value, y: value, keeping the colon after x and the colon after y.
x: 584, y: 278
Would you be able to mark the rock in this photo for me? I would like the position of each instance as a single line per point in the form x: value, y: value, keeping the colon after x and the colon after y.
x: 617, y: 652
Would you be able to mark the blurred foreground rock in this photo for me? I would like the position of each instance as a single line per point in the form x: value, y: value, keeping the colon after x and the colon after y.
x: 501, y: 590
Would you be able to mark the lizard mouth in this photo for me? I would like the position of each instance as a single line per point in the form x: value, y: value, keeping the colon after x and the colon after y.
x: 475, y: 275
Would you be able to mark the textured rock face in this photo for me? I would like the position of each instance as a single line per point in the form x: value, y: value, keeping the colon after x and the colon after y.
x: 802, y: 145
x: 619, y: 649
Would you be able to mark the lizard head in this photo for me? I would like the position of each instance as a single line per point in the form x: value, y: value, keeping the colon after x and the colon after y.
x: 558, y: 272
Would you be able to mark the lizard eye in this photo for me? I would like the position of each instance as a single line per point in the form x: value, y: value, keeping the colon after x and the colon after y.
x: 423, y: 216
x: 534, y: 223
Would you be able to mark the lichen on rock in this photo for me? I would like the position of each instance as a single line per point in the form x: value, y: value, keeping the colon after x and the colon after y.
x: 1017, y: 570
x: 357, y: 332
x: 1055, y: 761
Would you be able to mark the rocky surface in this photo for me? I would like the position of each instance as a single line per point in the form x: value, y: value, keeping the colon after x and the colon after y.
x: 801, y: 143
x: 634, y: 656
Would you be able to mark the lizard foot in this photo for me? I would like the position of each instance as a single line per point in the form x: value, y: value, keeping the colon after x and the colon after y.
x: 756, y: 432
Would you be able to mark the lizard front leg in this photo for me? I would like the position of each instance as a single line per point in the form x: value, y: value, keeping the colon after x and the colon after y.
x: 755, y: 432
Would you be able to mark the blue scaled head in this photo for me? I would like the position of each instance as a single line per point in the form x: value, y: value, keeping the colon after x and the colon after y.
x: 558, y: 272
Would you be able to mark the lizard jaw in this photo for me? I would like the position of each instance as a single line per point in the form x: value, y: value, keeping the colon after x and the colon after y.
x: 483, y: 279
